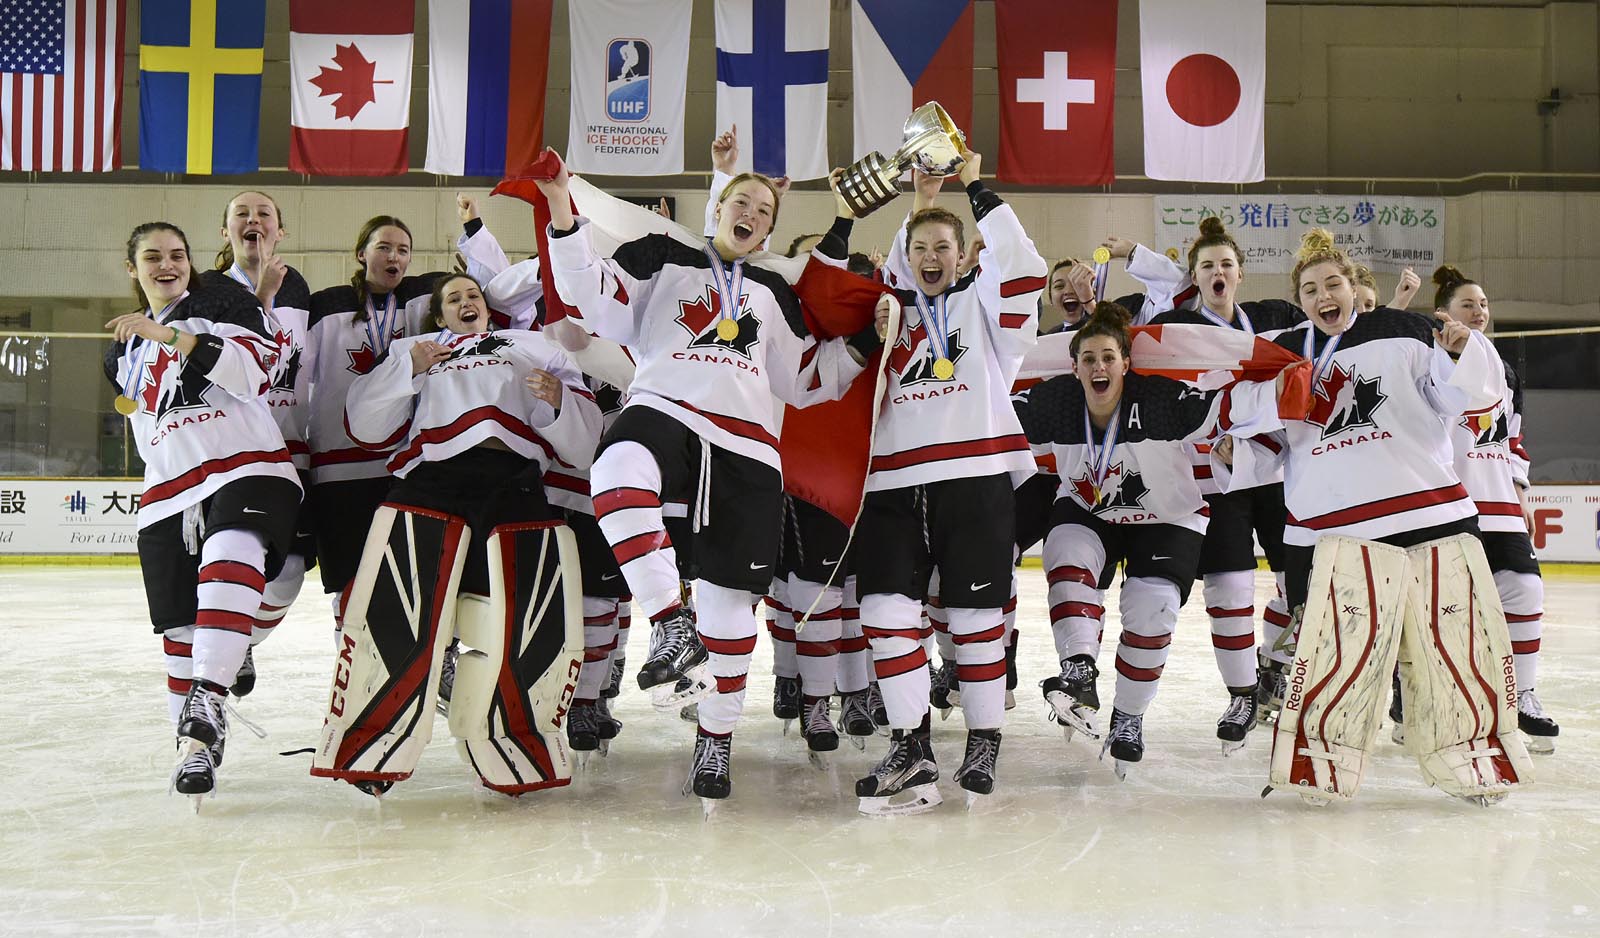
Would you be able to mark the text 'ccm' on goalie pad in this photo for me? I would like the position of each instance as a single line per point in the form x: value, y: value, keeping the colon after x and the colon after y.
x: 522, y: 647
x: 1339, y: 679
x: 397, y: 625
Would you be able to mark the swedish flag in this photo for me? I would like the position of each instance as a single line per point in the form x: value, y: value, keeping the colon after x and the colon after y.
x: 200, y: 85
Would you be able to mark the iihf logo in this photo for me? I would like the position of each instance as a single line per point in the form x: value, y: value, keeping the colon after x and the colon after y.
x: 628, y: 80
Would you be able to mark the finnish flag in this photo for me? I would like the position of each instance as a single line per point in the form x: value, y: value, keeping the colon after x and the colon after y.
x: 772, y: 82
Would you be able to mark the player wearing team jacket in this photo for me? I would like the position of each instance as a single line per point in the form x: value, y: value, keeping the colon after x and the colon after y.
x: 1493, y: 465
x: 350, y: 328
x: 217, y: 514
x: 253, y: 227
x: 947, y: 453
x: 700, y: 423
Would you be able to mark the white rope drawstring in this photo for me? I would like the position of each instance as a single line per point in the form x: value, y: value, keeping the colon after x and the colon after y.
x: 194, y: 527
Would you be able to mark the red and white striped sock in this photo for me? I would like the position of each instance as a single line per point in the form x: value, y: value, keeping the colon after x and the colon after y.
x: 232, y: 578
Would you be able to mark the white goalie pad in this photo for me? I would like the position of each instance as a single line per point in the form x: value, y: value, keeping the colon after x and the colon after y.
x: 1456, y: 674
x: 1338, y: 681
x: 397, y: 625
x: 522, y: 647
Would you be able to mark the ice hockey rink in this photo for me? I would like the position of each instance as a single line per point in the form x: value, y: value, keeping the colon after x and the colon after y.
x: 94, y: 844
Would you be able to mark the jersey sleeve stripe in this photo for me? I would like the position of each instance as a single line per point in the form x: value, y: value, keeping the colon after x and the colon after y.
x: 1020, y: 285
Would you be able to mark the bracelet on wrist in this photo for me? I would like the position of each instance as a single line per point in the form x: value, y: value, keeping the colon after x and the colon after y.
x: 172, y: 342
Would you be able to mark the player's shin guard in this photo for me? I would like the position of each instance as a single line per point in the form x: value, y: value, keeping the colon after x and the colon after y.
x: 522, y: 648
x: 979, y: 637
x: 817, y: 644
x: 1149, y: 615
x: 1073, y: 557
x: 1230, y: 602
x: 177, y: 648
x: 398, y: 620
x: 1339, y: 679
x: 1458, y: 674
x: 892, y: 624
x: 727, y: 627
x: 1522, y: 597
x: 855, y: 655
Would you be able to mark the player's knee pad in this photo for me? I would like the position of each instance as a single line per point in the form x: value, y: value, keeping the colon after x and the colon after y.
x: 1230, y: 594
x: 1457, y: 673
x: 1339, y: 676
x: 1149, y: 605
x: 397, y: 623
x: 1521, y: 594
x: 521, y: 655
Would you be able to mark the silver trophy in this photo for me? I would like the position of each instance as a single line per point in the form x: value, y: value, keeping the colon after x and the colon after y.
x: 932, y: 143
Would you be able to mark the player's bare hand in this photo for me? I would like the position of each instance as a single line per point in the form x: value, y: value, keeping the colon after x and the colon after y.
x: 1080, y: 280
x: 545, y: 386
x: 1119, y: 246
x: 1407, y: 288
x: 425, y: 355
x: 972, y: 169
x: 1224, y: 450
x: 466, y: 207
x: 661, y: 208
x: 782, y: 184
x: 880, y: 316
x: 128, y: 325
x: 1453, y: 336
x: 841, y: 208
x: 725, y: 151
x: 925, y: 189
x: 273, y: 271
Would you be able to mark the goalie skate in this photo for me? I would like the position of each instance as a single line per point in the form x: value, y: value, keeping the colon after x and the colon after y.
x: 1458, y: 684
x: 1348, y: 640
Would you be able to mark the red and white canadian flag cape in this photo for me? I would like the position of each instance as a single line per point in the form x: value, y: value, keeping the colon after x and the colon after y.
x: 349, y: 86
x: 1203, y: 65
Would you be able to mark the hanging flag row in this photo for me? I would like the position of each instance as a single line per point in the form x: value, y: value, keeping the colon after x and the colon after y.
x: 1202, y: 65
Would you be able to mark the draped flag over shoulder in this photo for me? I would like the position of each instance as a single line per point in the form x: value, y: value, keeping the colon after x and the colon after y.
x: 630, y: 73
x: 1204, y: 356
x: 1203, y: 66
x: 900, y: 62
x: 61, y: 86
x: 772, y: 82
x: 825, y: 448
x: 200, y: 85
x: 488, y: 61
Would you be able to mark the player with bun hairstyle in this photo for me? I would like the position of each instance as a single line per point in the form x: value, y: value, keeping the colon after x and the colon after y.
x: 1493, y: 465
x: 1128, y: 497
x: 1368, y: 469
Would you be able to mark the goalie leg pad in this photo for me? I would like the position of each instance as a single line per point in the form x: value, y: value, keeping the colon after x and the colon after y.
x: 514, y: 688
x: 1339, y: 678
x: 1458, y: 674
x: 397, y: 623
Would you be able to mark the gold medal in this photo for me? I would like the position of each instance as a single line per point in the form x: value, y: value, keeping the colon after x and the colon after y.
x: 1096, y: 490
x: 1102, y: 255
x: 944, y: 369
x: 727, y: 330
x: 126, y: 406
x: 1485, y: 421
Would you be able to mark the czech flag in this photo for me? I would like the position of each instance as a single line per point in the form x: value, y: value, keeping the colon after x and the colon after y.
x: 901, y: 62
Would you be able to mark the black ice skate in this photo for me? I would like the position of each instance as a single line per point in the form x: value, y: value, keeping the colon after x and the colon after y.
x: 1272, y: 684
x: 676, y: 652
x: 1397, y: 711
x: 709, y: 776
x: 880, y: 713
x: 1540, y: 730
x: 786, y: 700
x: 202, y: 733
x: 619, y: 663
x: 907, y: 770
x: 816, y: 725
x: 196, y: 774
x: 447, y: 677
x: 1238, y: 720
x: 942, y: 687
x: 245, y: 681
x: 583, y: 732
x: 1072, y: 696
x: 1011, y: 673
x: 976, y: 774
x: 855, y: 718
x: 1125, y: 741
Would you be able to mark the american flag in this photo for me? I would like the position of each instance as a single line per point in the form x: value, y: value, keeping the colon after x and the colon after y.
x: 61, y: 85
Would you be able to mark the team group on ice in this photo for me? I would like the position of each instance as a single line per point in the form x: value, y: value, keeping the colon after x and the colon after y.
x: 489, y: 475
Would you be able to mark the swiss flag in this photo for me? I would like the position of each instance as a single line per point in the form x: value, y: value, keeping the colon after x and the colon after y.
x: 349, y: 86
x: 1057, y: 90
x: 1203, y: 64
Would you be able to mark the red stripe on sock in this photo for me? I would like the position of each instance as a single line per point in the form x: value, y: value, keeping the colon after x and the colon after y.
x: 1076, y: 610
x: 1217, y: 612
x: 1137, y: 674
x: 1147, y: 642
x: 1072, y: 575
x: 900, y: 664
x: 1233, y: 642
x: 1529, y: 647
x: 730, y: 685
x: 972, y: 673
x: 987, y: 635
x: 729, y: 646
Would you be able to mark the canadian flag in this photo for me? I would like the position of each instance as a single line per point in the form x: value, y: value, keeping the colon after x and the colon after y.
x: 349, y: 86
x: 1058, y: 63
x: 1203, y: 65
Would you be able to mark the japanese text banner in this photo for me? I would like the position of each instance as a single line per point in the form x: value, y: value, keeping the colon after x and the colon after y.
x: 1387, y: 233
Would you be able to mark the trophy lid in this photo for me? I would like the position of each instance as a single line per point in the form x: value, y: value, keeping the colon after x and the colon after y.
x: 934, y: 139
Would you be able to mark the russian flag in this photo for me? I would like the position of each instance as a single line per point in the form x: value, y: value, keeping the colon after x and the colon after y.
x: 903, y: 61
x: 487, y: 65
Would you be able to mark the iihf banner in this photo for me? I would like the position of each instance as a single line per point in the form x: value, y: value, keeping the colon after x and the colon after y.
x: 630, y: 68
x: 899, y: 63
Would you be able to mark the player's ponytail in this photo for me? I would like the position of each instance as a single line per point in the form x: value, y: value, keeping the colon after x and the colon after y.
x: 1448, y: 280
x: 1108, y: 319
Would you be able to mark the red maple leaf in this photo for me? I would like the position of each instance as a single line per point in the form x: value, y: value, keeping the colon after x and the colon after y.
x: 362, y: 360
x: 900, y: 354
x: 696, y: 315
x: 1327, y: 395
x: 351, y: 80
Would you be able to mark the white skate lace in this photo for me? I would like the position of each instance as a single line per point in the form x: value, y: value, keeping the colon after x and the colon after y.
x: 207, y: 708
x: 895, y: 762
x: 1077, y: 673
x: 944, y: 677
x: 201, y: 760
x: 854, y: 709
x: 1238, y: 711
x: 1528, y: 704
x: 711, y: 756
x: 583, y: 719
x: 817, y: 717
x: 1127, y: 730
x: 982, y: 753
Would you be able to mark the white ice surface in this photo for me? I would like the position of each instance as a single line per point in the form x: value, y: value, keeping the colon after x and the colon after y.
x: 93, y: 844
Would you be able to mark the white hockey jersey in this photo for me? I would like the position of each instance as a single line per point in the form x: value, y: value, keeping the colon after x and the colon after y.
x: 1373, y: 459
x: 660, y: 298
x: 202, y: 420
x: 1490, y: 458
x: 933, y: 429
x: 339, y: 348
x: 477, y: 394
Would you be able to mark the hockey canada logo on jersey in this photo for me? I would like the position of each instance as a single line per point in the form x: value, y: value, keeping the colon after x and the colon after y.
x: 698, y: 317
x: 166, y: 391
x: 912, y: 360
x: 1122, y: 491
x: 289, y: 376
x: 364, y: 359
x: 487, y: 346
x: 1487, y: 426
x: 1345, y: 401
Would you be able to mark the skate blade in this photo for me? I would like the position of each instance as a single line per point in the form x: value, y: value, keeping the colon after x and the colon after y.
x: 787, y: 722
x: 580, y: 759
x: 708, y: 808
x: 1543, y: 745
x: 442, y: 707
x: 1315, y: 801
x: 690, y: 714
x: 1076, y: 717
x: 818, y: 760
x: 860, y: 742
x: 975, y: 801
x: 666, y: 700
x: 923, y: 798
x: 1486, y: 800
x: 944, y: 712
x: 1398, y: 734
x: 1229, y: 746
x: 1011, y: 700
x: 1120, y: 769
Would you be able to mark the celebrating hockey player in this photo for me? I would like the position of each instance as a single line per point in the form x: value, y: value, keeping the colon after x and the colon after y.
x: 466, y: 543
x: 716, y: 338
x: 192, y: 373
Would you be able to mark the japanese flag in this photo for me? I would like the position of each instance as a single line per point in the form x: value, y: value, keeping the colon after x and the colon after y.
x: 1204, y: 69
